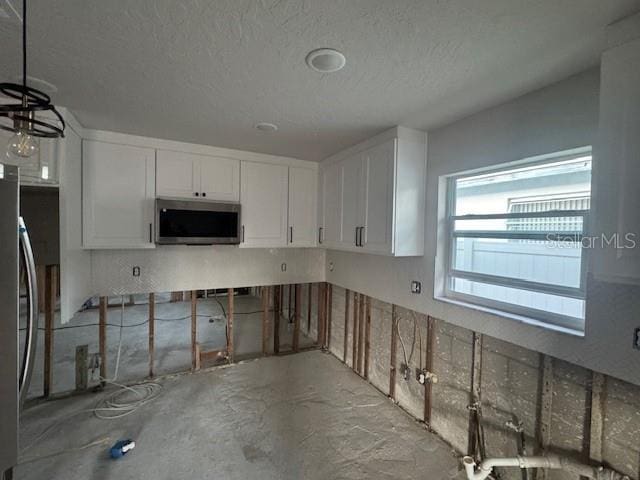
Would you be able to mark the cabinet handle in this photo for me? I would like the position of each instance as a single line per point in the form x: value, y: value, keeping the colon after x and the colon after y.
x: 361, y: 236
x: 356, y: 241
x: 290, y: 234
x: 150, y: 233
x: 242, y: 233
x: 320, y: 236
x: 196, y: 194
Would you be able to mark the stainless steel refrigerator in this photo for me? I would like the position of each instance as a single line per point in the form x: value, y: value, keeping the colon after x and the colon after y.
x: 16, y: 361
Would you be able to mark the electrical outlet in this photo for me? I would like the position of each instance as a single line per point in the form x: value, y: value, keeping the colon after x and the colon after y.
x: 416, y: 286
x: 331, y: 266
x: 636, y: 338
x: 136, y: 271
x: 283, y: 267
x: 405, y: 371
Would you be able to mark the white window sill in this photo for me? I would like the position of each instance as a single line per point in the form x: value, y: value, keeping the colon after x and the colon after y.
x: 512, y: 316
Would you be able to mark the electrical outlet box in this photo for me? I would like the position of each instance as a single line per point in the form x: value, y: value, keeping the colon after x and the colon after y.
x: 405, y: 371
x: 636, y: 338
x: 416, y: 287
x: 136, y: 271
x: 283, y: 267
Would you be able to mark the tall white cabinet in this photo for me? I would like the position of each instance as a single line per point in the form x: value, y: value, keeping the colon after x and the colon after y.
x: 303, y: 193
x: 373, y: 195
x: 616, y: 166
x: 118, y: 185
x: 330, y: 229
x: 264, y: 202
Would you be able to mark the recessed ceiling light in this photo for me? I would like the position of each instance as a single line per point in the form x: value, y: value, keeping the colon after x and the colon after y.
x: 266, y: 127
x: 326, y: 60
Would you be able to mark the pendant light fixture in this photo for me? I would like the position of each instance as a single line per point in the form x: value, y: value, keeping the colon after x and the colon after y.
x: 20, y: 117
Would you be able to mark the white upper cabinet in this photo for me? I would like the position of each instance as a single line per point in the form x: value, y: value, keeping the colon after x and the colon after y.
x: 375, y: 193
x: 303, y: 186
x: 118, y: 192
x: 377, y: 234
x: 616, y: 167
x: 352, y: 205
x: 264, y: 200
x: 188, y: 175
x: 220, y: 179
x: 331, y: 218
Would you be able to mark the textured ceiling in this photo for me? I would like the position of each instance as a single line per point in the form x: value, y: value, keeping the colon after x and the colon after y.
x: 207, y: 71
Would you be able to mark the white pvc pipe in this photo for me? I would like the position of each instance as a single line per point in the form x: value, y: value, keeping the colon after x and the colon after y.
x: 551, y: 462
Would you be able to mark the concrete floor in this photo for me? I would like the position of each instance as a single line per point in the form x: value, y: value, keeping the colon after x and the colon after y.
x: 304, y: 416
x: 172, y: 337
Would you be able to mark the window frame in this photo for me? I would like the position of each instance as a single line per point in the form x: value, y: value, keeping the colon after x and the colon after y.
x: 451, y: 273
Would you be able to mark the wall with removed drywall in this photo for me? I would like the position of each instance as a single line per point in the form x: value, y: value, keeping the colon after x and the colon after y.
x: 589, y: 416
x: 559, y: 117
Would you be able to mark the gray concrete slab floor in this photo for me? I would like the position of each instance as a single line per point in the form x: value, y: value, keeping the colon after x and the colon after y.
x: 304, y: 416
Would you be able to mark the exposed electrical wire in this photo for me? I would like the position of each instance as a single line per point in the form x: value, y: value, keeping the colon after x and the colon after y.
x: 67, y: 327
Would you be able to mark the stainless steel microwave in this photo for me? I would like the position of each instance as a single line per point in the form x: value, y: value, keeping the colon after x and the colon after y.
x: 197, y: 222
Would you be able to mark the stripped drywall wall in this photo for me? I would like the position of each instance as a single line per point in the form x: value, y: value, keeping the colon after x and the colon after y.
x: 512, y: 393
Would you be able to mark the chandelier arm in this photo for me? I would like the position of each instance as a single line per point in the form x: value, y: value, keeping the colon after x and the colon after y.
x: 31, y: 101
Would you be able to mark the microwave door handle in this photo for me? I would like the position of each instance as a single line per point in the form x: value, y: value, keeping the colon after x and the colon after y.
x: 242, y: 233
x: 31, y: 336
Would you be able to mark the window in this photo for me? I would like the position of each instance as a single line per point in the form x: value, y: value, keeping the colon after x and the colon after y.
x: 515, y: 238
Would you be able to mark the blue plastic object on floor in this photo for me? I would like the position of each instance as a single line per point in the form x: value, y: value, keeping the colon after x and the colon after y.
x: 121, y: 448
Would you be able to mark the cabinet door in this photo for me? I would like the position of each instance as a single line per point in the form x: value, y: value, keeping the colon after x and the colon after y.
x: 302, y: 206
x: 331, y: 205
x: 118, y: 195
x: 352, y: 200
x: 177, y: 174
x: 379, y: 175
x: 220, y: 178
x: 616, y: 169
x: 263, y: 200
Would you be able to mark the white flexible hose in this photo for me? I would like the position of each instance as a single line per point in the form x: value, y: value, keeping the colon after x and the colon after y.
x: 116, y: 404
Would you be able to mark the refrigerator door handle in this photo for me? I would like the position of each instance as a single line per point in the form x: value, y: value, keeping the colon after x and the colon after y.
x: 32, y: 311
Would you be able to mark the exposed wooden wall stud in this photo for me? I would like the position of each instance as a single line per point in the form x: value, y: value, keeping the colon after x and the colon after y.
x: 296, y: 317
x: 152, y: 330
x: 321, y: 311
x: 347, y: 294
x: 475, y: 398
x: 309, y: 304
x: 360, y: 333
x: 430, y: 352
x: 230, y: 312
x: 266, y: 291
x: 277, y: 297
x: 102, y: 337
x: 194, y: 330
x: 367, y: 337
x: 82, y: 367
x: 394, y: 348
x: 329, y: 315
x: 354, y: 336
x: 543, y: 432
x: 598, y: 396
